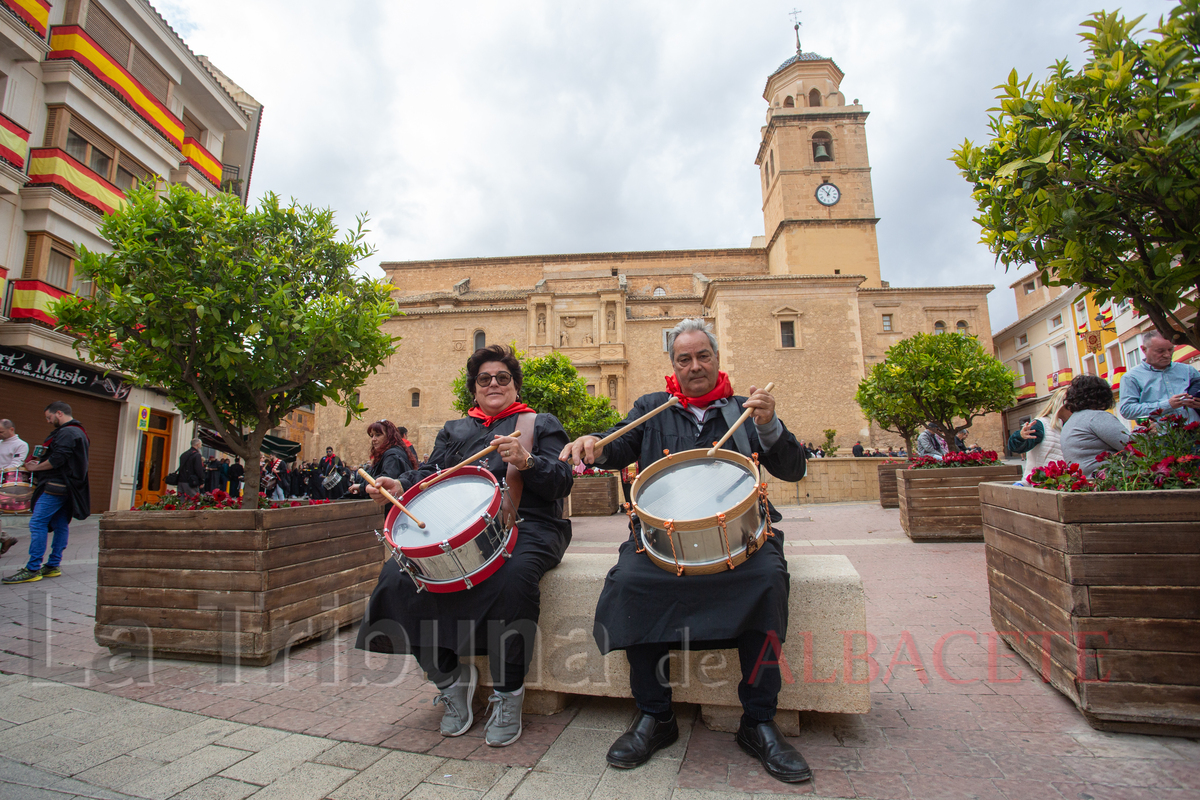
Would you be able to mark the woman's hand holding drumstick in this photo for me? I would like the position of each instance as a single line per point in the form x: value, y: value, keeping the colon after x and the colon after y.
x: 758, y: 403
x: 366, y: 476
x: 586, y: 449
x: 487, y: 451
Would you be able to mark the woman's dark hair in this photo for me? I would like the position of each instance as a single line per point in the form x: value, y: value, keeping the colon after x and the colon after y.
x: 391, y: 438
x: 1089, y: 392
x: 485, y: 355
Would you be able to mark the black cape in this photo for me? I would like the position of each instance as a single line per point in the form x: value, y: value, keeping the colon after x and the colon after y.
x: 704, y: 611
x: 67, y: 451
x: 473, y: 622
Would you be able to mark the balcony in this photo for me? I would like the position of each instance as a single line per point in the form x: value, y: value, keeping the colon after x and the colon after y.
x: 31, y: 300
x: 69, y: 42
x: 202, y: 160
x: 49, y: 166
x: 1026, y: 391
x: 34, y: 13
x: 14, y: 142
x: 1060, y: 378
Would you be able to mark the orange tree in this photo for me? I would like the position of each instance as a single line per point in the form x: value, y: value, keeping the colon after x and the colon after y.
x: 239, y: 315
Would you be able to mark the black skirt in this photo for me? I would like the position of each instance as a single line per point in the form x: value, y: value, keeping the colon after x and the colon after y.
x: 642, y: 603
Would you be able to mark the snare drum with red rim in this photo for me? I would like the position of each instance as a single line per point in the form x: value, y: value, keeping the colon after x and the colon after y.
x: 463, y: 541
x: 16, y: 488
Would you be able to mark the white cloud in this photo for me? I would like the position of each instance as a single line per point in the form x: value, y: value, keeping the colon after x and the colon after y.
x: 504, y: 128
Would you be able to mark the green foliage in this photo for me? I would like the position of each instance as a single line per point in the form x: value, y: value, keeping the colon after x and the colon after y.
x: 239, y: 315
x: 887, y: 407
x: 1093, y: 175
x: 947, y: 378
x: 829, y: 447
x: 552, y: 385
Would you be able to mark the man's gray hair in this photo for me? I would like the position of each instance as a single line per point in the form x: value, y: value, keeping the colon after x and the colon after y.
x: 196, y: 442
x: 687, y: 326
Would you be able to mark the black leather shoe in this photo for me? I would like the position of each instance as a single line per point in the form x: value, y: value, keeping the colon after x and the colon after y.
x: 765, y: 742
x: 644, y: 738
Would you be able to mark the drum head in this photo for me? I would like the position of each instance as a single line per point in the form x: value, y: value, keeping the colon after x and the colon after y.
x: 695, y: 489
x: 447, y: 508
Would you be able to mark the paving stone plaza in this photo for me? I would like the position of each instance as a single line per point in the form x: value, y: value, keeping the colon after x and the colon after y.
x: 956, y: 716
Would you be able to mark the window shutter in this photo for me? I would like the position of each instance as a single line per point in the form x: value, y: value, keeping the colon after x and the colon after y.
x: 108, y: 34
x: 55, y: 116
x: 149, y: 74
x: 30, y: 256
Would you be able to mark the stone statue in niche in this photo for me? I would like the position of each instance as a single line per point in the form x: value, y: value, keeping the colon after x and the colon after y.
x: 563, y: 339
x: 587, y: 338
x: 568, y: 322
x: 612, y: 321
x: 612, y: 388
x: 541, y: 323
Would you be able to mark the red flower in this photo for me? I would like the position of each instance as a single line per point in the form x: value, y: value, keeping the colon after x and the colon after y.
x: 1191, y: 426
x: 295, y: 503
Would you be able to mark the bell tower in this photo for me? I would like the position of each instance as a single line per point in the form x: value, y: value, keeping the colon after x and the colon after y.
x: 818, y: 209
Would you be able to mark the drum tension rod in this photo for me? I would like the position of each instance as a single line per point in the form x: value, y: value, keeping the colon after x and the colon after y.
x: 671, y: 539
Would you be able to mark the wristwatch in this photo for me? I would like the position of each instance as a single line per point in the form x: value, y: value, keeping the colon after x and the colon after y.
x: 528, y: 463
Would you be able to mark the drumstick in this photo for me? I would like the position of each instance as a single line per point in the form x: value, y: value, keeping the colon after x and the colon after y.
x: 388, y: 495
x: 736, y: 425
x: 617, y: 434
x: 487, y: 451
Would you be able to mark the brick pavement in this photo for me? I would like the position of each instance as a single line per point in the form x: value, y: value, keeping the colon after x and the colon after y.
x: 954, y: 713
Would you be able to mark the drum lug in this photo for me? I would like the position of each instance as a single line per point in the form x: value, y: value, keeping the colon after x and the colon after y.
x: 446, y: 548
x: 467, y: 582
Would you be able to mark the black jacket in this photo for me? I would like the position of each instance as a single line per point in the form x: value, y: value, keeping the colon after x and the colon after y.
x: 191, y: 467
x: 67, y: 451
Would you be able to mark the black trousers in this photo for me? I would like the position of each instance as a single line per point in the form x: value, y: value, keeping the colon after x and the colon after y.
x: 442, y: 666
x: 650, y: 675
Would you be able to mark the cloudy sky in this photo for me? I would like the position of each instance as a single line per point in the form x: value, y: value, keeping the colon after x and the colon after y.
x: 515, y: 127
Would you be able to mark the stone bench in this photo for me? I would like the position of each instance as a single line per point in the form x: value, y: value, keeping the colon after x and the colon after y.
x: 826, y: 609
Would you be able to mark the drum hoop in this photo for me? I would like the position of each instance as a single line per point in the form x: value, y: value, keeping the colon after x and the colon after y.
x: 700, y: 523
x: 458, y: 539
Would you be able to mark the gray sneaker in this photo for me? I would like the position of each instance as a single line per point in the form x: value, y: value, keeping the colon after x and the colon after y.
x: 504, y: 725
x: 457, y: 698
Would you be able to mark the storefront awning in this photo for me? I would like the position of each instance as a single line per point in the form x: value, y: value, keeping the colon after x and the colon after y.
x: 272, y: 445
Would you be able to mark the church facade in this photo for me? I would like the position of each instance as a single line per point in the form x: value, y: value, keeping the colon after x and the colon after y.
x: 804, y: 306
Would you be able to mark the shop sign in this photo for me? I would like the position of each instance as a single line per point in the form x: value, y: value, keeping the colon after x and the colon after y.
x: 62, y: 372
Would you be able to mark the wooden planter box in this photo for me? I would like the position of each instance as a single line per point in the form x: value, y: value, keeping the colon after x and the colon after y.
x: 938, y: 505
x: 1103, y: 592
x: 233, y: 585
x: 888, y: 492
x: 596, y: 495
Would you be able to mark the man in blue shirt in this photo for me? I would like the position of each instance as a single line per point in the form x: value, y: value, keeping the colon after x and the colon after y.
x: 1159, y: 384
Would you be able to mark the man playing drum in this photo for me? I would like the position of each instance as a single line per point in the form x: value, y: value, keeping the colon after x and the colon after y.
x: 647, y: 611
x: 13, y: 452
x: 496, y: 616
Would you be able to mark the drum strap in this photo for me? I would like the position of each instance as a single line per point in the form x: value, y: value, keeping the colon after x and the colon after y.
x: 741, y: 442
x: 514, y: 479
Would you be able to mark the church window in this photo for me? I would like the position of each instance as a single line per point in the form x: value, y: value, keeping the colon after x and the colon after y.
x: 822, y: 146
x: 814, y: 97
x: 787, y: 333
x: 480, y: 340
x: 659, y: 291
x: 887, y: 322
x: 772, y: 163
x: 939, y: 327
x: 961, y: 326
x: 416, y: 399
x: 788, y: 102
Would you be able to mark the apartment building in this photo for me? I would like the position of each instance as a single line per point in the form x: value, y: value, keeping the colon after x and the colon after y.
x: 95, y: 96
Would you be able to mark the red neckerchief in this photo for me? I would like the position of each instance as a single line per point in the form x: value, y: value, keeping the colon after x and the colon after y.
x: 721, y: 390
x: 515, y: 408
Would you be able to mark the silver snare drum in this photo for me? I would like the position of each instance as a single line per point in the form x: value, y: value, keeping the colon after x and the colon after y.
x: 701, y: 514
x: 463, y: 542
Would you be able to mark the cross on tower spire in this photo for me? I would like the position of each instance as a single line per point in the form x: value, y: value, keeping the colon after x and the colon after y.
x: 795, y: 15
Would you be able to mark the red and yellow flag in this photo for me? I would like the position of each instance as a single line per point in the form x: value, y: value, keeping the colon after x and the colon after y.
x: 1184, y: 353
x: 14, y: 142
x: 32, y: 299
x: 69, y: 41
x: 1116, y: 377
x: 35, y: 13
x: 202, y: 160
x: 1026, y: 391
x: 51, y: 166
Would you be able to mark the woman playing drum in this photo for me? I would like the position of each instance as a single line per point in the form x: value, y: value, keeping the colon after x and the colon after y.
x: 498, y: 616
x: 389, y: 457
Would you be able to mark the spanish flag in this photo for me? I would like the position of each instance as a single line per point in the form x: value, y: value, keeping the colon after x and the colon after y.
x: 1184, y: 353
x: 1116, y: 377
x: 1026, y: 391
x: 202, y: 160
x: 1106, y: 314
x: 35, y: 13
x: 14, y: 142
x: 51, y: 166
x: 70, y: 42
x: 32, y: 299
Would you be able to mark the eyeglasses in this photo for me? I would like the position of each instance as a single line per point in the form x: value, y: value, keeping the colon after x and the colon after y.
x: 502, y: 378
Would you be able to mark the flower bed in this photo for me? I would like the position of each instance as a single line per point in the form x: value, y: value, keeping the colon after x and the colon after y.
x: 981, y: 458
x: 232, y: 584
x: 939, y: 501
x: 218, y: 499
